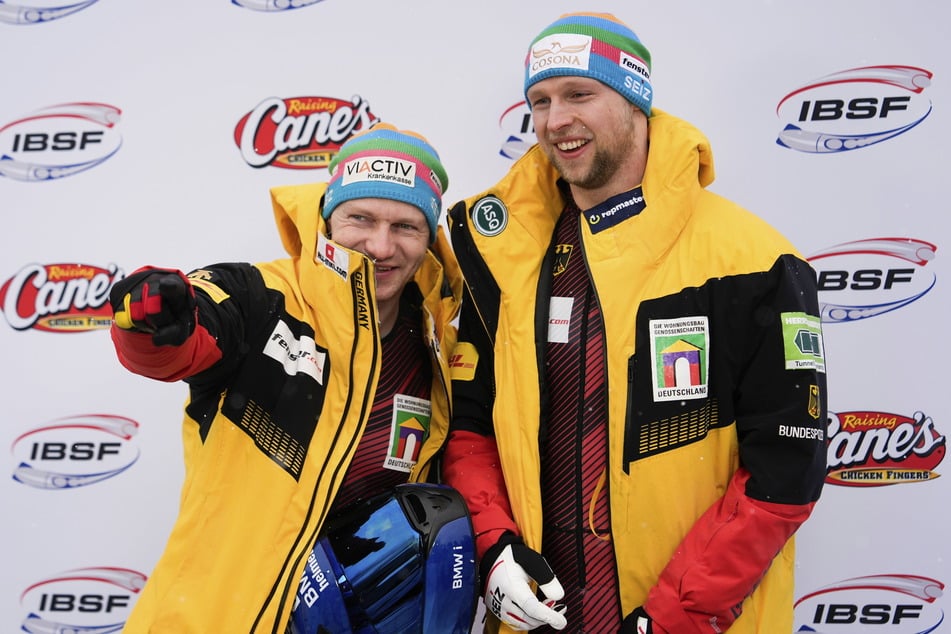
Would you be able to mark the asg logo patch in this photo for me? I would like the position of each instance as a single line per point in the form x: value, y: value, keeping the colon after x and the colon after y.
x: 854, y: 108
x: 490, y: 216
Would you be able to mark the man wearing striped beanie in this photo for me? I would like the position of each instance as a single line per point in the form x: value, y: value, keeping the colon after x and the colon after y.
x: 635, y: 431
x: 317, y: 381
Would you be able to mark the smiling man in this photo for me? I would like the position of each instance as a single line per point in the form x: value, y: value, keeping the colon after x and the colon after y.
x: 629, y: 360
x: 316, y: 381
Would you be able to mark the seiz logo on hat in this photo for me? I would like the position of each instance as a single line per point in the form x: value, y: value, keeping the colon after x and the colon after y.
x: 561, y: 50
x: 379, y: 168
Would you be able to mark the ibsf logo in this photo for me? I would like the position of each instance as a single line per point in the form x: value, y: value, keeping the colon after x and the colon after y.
x: 274, y: 5
x: 865, y: 278
x: 59, y: 297
x: 59, y: 141
x: 895, y: 604
x: 38, y: 11
x: 82, y: 600
x: 300, y: 132
x: 518, y: 130
x: 854, y: 108
x: 75, y: 452
x: 871, y: 449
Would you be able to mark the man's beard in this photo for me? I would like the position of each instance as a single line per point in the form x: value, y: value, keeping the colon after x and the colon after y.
x: 600, y: 172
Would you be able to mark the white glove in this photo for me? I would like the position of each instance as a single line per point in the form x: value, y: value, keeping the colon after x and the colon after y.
x: 509, y: 596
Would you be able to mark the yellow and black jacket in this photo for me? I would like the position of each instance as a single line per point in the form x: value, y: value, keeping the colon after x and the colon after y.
x: 708, y: 479
x: 289, y: 358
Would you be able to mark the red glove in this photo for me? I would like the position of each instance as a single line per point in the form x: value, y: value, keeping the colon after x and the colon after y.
x: 156, y: 301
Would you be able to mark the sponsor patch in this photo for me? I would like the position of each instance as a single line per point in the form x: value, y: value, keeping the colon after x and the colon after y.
x: 335, y: 259
x: 490, y: 216
x: 561, y: 50
x: 634, y: 65
x: 681, y: 353
x: 559, y: 318
x: 802, y: 342
x: 463, y: 362
x: 615, y: 210
x: 409, y: 428
x: 296, y: 355
x: 379, y: 168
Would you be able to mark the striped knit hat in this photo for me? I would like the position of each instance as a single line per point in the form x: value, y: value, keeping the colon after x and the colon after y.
x: 595, y: 45
x: 383, y: 162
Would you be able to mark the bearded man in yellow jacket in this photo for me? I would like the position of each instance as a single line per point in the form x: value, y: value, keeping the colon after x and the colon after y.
x: 639, y: 388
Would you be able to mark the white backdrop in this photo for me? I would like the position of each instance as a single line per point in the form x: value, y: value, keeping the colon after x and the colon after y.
x: 119, y: 130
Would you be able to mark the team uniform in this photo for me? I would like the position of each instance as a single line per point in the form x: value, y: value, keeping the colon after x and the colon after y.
x: 284, y: 372
x: 648, y: 411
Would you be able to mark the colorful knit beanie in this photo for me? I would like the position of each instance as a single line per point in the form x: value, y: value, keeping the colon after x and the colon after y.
x: 595, y: 45
x: 383, y: 162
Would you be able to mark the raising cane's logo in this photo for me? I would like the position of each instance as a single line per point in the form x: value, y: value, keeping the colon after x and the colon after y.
x: 59, y: 297
x: 300, y: 132
x: 871, y: 449
x: 854, y: 108
x: 36, y: 11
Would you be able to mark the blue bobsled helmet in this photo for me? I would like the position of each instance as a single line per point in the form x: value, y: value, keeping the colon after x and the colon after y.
x: 402, y: 562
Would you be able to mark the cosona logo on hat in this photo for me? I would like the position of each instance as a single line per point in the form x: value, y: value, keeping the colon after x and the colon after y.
x: 561, y: 50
